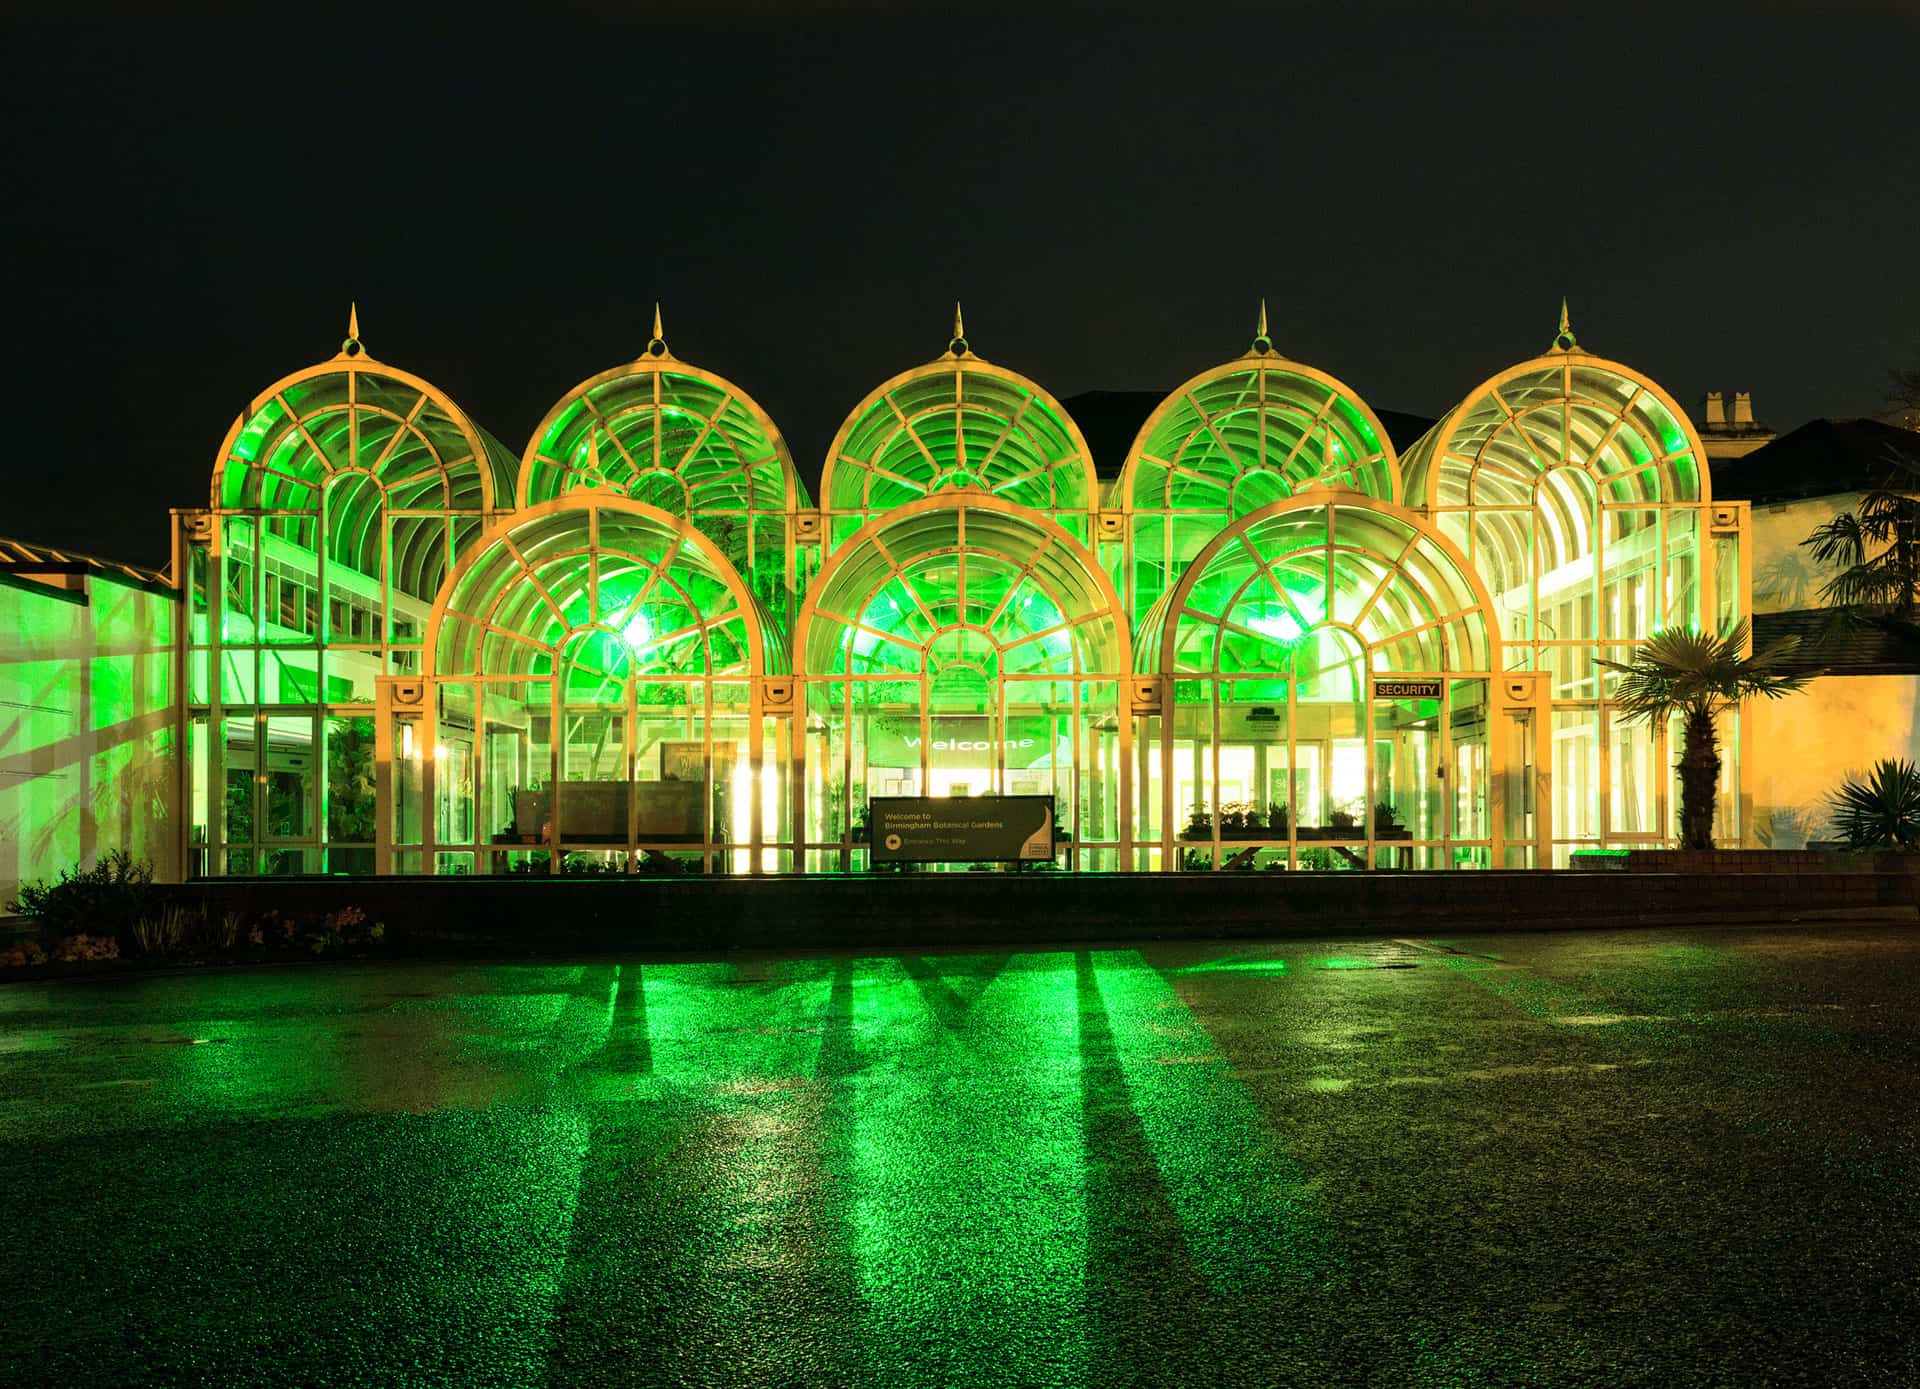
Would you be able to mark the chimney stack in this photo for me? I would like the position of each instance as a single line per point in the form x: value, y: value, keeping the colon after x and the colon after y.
x: 1716, y: 411
x: 1743, y: 409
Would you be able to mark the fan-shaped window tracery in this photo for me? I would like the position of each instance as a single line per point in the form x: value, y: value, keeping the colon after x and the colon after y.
x: 1236, y: 438
x: 687, y: 442
x: 960, y: 422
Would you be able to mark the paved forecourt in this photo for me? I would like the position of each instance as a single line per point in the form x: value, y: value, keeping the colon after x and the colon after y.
x: 1646, y: 1157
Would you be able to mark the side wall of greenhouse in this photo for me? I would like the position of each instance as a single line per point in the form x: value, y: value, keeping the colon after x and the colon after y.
x: 87, y: 727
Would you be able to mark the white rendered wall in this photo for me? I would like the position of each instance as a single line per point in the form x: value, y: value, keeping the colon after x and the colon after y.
x: 1803, y: 745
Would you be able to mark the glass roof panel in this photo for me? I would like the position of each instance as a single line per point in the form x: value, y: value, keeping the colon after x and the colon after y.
x: 1258, y: 597
x: 638, y: 592
x: 960, y: 422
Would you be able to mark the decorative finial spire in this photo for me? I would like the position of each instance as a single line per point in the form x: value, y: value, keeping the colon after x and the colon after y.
x: 1564, y: 340
x: 657, y: 344
x: 959, y: 344
x: 351, y: 347
x: 1261, y: 341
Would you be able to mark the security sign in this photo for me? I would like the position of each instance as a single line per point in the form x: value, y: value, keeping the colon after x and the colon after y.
x: 1406, y: 689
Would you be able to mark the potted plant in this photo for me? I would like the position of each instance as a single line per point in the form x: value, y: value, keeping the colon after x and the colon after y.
x: 1278, y: 819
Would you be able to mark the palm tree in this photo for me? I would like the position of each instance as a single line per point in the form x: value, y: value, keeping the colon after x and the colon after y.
x: 1876, y: 545
x: 1696, y: 675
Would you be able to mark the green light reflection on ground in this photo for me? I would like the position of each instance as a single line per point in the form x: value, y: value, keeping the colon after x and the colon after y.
x: 1235, y: 967
x: 1249, y: 1217
x: 967, y: 1159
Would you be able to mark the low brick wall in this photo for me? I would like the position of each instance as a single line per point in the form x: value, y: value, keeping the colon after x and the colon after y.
x: 1742, y: 861
x: 511, y: 915
x: 1746, y: 861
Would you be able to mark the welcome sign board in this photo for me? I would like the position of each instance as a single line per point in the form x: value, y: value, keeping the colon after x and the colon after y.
x: 962, y: 829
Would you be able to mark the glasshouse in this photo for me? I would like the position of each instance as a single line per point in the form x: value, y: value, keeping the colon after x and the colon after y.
x: 1262, y: 638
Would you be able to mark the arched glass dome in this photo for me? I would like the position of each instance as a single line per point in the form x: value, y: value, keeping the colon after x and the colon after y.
x: 1580, y: 491
x: 1233, y: 439
x: 605, y: 589
x: 1255, y: 600
x: 957, y: 422
x: 1567, y: 408
x: 355, y: 459
x: 961, y: 582
x: 681, y: 439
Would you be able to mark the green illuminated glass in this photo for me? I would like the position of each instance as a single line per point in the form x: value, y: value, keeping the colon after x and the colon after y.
x: 1026, y: 601
x: 687, y: 442
x: 1239, y: 437
x: 1275, y: 579
x: 617, y: 590
x: 958, y: 423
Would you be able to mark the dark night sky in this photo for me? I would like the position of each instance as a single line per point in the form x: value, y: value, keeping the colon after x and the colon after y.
x: 1729, y: 200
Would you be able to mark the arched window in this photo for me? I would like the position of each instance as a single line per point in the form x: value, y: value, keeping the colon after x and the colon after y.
x: 1329, y: 658
x: 1580, y: 491
x: 340, y: 500
x: 686, y: 441
x: 1235, y: 438
x: 593, y: 699
x: 957, y: 423
x: 959, y: 646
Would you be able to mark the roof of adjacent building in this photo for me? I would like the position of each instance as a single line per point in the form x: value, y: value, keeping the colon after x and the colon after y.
x: 26, y: 560
x: 1821, y: 458
x: 1840, y: 645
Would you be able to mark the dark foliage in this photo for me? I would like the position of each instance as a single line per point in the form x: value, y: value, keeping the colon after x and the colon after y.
x: 104, y: 900
x: 1880, y: 810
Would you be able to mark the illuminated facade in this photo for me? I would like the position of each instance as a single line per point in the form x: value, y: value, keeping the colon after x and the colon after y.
x: 641, y: 646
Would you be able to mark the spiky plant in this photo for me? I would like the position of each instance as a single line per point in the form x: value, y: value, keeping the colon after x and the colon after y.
x: 1882, y: 809
x: 1698, y: 676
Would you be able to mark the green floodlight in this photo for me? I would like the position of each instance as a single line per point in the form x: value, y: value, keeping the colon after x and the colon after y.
x: 638, y: 633
x: 1284, y: 628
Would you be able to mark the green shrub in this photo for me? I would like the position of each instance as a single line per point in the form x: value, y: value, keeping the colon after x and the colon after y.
x: 190, y: 931
x: 164, y: 932
x: 1882, y: 809
x: 106, y: 899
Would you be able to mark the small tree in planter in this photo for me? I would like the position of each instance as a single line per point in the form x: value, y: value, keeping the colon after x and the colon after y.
x: 1698, y: 676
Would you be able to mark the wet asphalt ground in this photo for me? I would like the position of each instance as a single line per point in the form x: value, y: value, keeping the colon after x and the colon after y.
x: 1651, y: 1157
